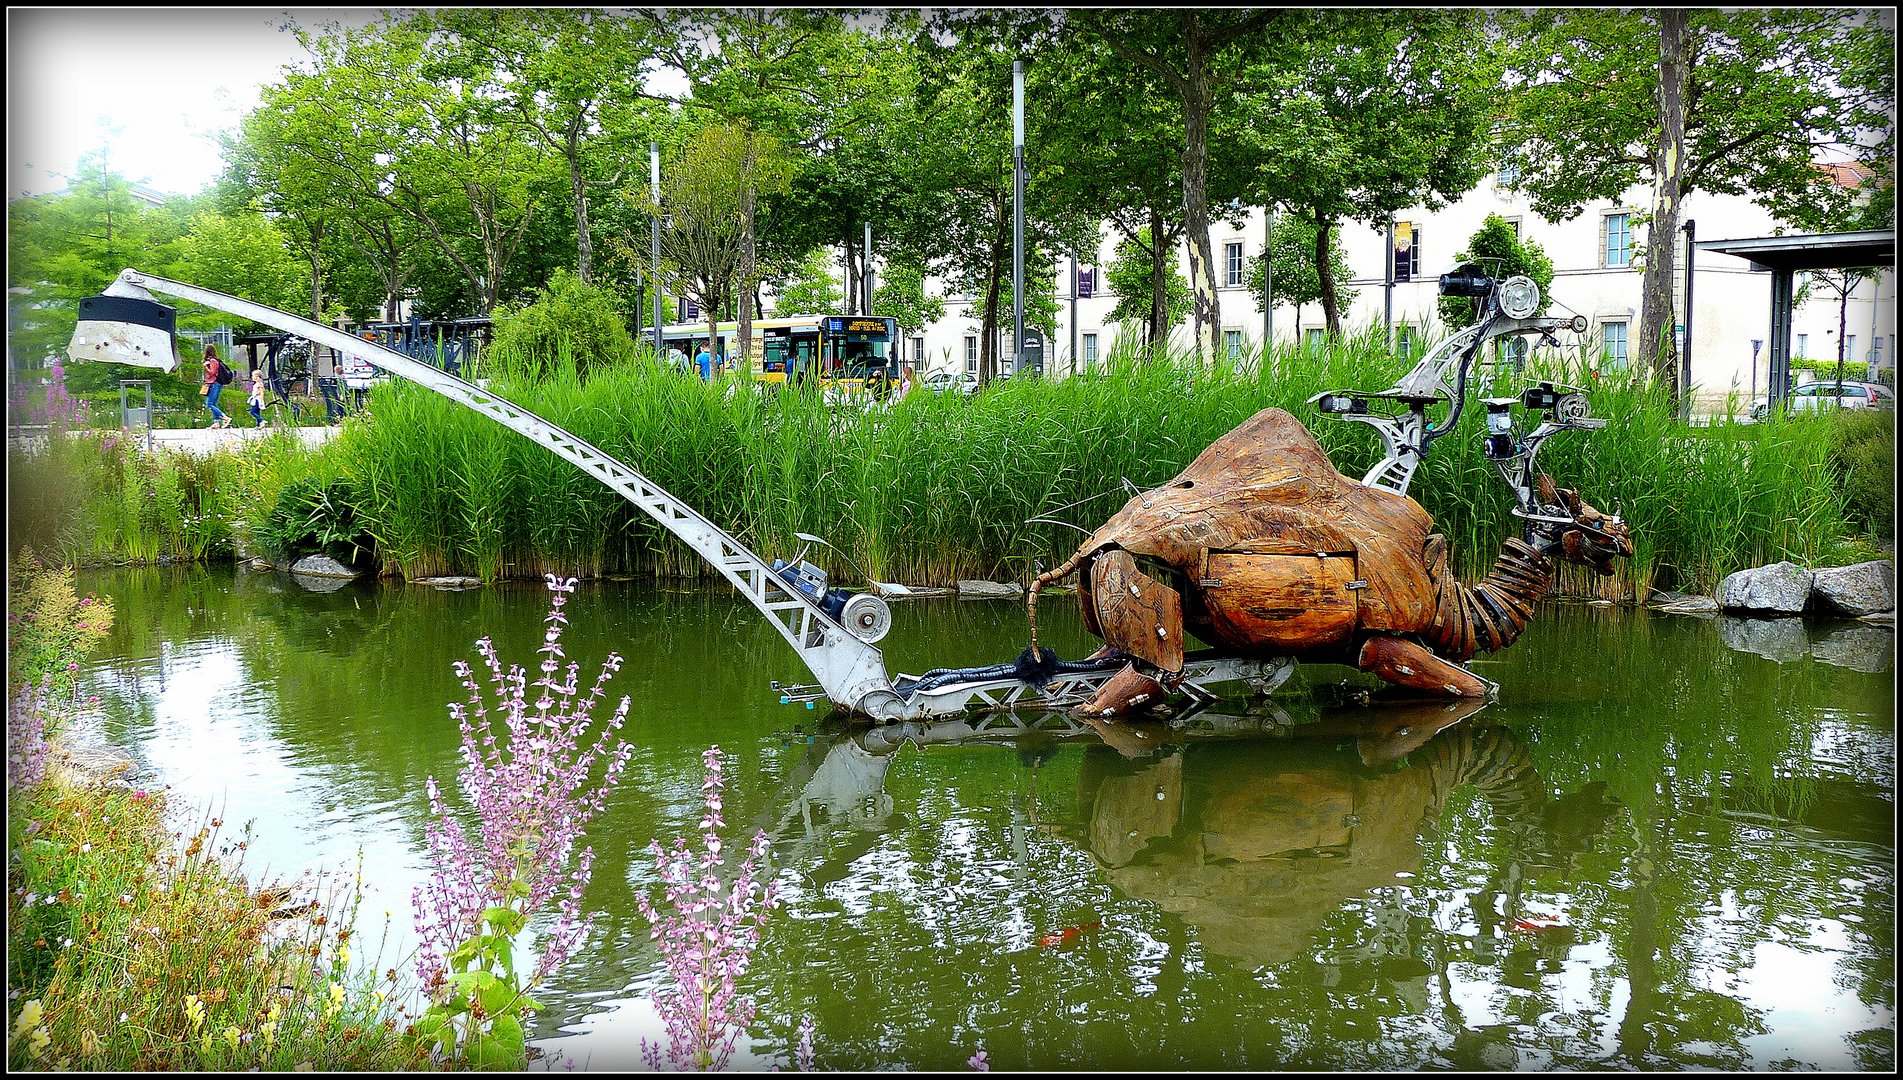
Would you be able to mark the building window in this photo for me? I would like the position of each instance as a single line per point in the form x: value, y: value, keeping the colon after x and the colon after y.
x: 1404, y: 341
x: 918, y: 350
x: 971, y: 352
x: 1613, y: 336
x: 1090, y: 348
x: 1086, y: 284
x: 1850, y: 346
x: 1803, y: 346
x: 1513, y: 353
x: 1616, y: 250
x: 1509, y: 173
x: 1232, y: 262
x: 1232, y: 343
x: 1407, y: 250
x: 1316, y: 338
x: 1514, y: 224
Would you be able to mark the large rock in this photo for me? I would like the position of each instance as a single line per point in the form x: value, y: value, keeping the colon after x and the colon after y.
x: 1780, y: 588
x: 987, y: 590
x: 325, y: 567
x: 1863, y: 589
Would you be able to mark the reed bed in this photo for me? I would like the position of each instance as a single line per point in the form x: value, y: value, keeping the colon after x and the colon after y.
x: 946, y: 486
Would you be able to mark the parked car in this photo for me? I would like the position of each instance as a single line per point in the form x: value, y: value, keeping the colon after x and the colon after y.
x: 1813, y: 396
x: 962, y: 382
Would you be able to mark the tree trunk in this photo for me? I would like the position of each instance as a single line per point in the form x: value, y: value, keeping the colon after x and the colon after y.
x: 1202, y: 264
x: 1157, y: 329
x: 994, y: 289
x: 1656, y: 322
x: 584, y: 240
x: 1843, y: 324
x: 1325, y: 275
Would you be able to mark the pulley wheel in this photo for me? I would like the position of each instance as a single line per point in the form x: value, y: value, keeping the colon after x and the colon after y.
x: 866, y: 617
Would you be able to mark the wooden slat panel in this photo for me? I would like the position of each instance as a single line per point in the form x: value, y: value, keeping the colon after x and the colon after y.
x: 1286, y: 603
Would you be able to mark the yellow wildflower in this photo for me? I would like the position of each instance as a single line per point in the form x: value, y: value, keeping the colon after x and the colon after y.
x: 88, y: 1043
x: 37, y: 1042
x: 194, y: 1010
x: 343, y: 956
x: 232, y: 1035
x: 269, y: 1030
x: 29, y: 1019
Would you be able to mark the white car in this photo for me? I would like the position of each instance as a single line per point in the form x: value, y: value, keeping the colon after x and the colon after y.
x: 1813, y: 396
x: 962, y: 382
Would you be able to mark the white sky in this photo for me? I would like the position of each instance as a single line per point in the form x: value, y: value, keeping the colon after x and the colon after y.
x: 154, y: 85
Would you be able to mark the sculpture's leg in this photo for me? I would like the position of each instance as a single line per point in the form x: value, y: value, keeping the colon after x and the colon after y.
x: 1410, y: 664
x: 1127, y: 691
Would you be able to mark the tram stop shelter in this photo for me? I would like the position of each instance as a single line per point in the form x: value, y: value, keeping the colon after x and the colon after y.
x: 1783, y: 256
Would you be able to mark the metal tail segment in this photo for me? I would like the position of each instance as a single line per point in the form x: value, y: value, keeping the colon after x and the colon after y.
x: 851, y: 671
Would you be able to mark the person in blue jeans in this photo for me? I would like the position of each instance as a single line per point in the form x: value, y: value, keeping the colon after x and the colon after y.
x: 705, y: 361
x: 212, y: 388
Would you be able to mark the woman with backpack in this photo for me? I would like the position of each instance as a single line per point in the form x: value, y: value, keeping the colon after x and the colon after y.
x: 216, y: 376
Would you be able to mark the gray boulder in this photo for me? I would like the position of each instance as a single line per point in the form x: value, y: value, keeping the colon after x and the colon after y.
x: 325, y: 567
x: 988, y: 590
x: 1863, y: 589
x: 1677, y: 603
x: 1780, y: 588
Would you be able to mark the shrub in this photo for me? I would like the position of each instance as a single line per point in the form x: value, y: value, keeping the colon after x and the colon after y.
x: 568, y: 322
x: 1863, y: 447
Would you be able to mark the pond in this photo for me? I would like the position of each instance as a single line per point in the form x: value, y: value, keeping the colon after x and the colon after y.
x: 1669, y: 845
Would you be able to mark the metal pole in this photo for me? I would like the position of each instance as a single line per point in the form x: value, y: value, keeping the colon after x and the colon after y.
x: 1685, y: 350
x: 1017, y: 215
x: 1074, y: 314
x: 654, y: 175
x: 868, y: 268
x: 1387, y: 319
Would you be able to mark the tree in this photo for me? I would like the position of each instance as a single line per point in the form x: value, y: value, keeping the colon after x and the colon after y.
x: 1131, y: 279
x: 245, y: 255
x: 1297, y: 281
x: 1501, y: 253
x: 810, y: 289
x: 1367, y: 113
x: 1731, y: 101
x: 901, y: 296
x: 562, y: 76
x: 1197, y: 54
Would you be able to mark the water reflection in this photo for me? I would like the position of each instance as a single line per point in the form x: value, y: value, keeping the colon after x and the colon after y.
x: 1655, y: 851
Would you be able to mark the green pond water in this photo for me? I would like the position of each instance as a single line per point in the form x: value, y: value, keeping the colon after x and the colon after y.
x: 1669, y: 845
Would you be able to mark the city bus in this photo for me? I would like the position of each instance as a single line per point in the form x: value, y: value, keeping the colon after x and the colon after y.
x: 843, y: 351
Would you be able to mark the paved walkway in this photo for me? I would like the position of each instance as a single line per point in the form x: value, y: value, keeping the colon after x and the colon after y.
x: 202, y: 440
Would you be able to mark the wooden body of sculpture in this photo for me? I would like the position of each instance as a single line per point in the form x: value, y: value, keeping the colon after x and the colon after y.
x: 1262, y: 548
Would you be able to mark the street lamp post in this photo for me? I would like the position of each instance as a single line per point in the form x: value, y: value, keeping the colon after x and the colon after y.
x: 654, y: 175
x: 1017, y: 216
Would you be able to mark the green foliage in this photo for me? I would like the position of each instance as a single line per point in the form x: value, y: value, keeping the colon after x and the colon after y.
x: 901, y: 295
x: 49, y: 626
x: 1129, y: 279
x: 480, y: 1020
x: 568, y: 319
x: 1863, y: 447
x: 1292, y: 261
x: 311, y: 516
x: 811, y: 288
x: 1501, y: 253
x: 95, y: 497
x: 132, y: 947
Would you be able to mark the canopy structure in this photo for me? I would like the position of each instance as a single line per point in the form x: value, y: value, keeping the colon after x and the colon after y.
x: 1783, y: 256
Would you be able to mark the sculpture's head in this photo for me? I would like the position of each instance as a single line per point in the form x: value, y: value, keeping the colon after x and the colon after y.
x: 1593, y: 539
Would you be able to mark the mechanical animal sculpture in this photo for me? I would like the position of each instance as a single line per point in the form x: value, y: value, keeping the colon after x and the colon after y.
x: 1262, y: 548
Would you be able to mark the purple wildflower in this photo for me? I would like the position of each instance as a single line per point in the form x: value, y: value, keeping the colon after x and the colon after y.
x: 27, y: 744
x: 979, y: 1063
x: 707, y: 936
x: 529, y: 784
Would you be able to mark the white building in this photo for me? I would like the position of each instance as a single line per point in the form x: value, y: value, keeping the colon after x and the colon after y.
x: 1595, y: 275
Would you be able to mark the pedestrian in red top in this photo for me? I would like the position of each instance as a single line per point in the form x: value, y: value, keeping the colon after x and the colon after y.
x: 215, y: 380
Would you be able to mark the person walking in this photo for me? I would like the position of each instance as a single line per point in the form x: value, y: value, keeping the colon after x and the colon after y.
x: 705, y: 361
x: 908, y: 379
x: 256, y: 400
x: 216, y: 376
